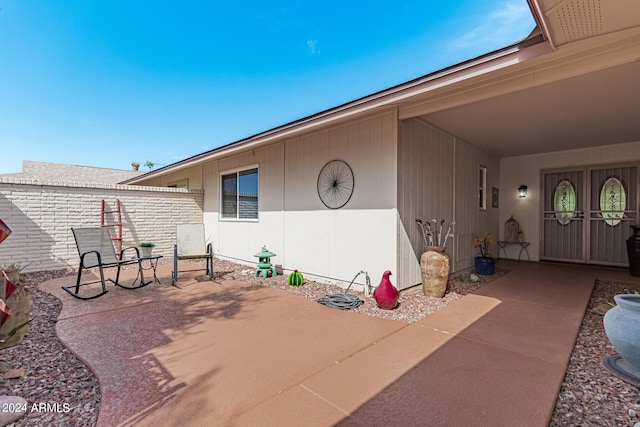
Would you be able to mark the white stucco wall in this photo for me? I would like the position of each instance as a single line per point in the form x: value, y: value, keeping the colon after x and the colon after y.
x: 526, y: 170
x: 41, y: 214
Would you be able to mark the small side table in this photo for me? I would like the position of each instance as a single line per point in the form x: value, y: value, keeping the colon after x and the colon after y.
x: 153, y: 264
x: 502, y: 244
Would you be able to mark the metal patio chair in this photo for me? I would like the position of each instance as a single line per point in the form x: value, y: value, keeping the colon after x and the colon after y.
x: 190, y: 244
x: 95, y: 248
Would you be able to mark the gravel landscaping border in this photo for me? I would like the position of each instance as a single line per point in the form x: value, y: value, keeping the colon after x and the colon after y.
x: 60, y: 390
x: 590, y: 396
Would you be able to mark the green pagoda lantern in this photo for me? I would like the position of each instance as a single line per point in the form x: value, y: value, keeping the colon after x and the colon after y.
x: 264, y: 263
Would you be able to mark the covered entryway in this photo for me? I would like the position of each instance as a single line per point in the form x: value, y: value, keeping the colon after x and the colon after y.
x: 588, y: 213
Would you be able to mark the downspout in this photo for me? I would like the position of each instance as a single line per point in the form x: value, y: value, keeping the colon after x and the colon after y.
x: 284, y: 202
x: 453, y: 207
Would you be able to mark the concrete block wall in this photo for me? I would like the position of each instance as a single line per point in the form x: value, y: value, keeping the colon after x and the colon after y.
x: 41, y: 214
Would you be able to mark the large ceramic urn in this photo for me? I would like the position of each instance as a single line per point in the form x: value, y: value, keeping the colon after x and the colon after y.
x: 434, y: 267
x: 622, y: 326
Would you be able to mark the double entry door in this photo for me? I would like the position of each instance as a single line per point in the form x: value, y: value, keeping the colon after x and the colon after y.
x: 588, y: 213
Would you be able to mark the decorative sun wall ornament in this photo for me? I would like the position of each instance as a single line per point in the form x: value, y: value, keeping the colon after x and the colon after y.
x: 335, y: 184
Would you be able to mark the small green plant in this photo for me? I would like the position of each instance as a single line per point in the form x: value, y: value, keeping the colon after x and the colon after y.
x: 613, y: 304
x: 12, y: 332
x: 147, y: 245
x: 14, y: 266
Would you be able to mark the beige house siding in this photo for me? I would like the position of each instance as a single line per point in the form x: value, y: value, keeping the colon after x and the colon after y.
x: 193, y: 176
x: 438, y: 178
x: 339, y: 243
x: 427, y: 174
x: 468, y: 216
x: 293, y: 223
x: 425, y: 188
x: 41, y: 214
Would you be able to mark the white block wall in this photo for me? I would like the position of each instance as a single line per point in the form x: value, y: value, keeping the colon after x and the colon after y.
x: 41, y: 214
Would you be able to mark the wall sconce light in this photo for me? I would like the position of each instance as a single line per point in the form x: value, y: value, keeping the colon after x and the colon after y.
x: 522, y: 191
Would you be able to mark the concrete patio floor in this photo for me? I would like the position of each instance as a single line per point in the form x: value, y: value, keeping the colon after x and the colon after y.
x: 230, y: 353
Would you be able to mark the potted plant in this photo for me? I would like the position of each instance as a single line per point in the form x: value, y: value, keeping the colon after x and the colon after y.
x: 485, y: 263
x: 15, y: 307
x: 147, y: 249
x: 13, y: 271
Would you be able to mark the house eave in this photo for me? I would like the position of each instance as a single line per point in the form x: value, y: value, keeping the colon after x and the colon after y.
x: 388, y: 98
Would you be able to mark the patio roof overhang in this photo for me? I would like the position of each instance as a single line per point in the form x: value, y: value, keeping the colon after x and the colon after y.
x: 567, y: 21
x: 557, y: 89
x: 584, y: 94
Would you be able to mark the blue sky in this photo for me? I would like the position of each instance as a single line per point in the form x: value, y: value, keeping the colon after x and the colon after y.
x: 107, y: 83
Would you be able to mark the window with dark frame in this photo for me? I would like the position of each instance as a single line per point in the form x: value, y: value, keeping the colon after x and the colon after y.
x: 240, y: 194
x: 482, y: 188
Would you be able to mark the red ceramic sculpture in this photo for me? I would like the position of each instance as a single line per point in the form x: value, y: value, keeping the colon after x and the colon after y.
x: 386, y: 294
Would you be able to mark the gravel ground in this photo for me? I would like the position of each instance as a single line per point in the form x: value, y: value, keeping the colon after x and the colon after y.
x: 53, y: 376
x: 590, y: 396
x: 413, y: 304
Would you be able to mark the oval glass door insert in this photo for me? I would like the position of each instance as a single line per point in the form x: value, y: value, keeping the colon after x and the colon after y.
x: 564, y: 202
x: 613, y: 201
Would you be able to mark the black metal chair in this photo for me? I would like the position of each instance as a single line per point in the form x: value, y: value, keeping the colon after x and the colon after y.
x: 95, y: 248
x: 190, y: 244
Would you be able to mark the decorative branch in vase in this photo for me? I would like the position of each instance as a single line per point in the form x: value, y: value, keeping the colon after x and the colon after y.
x: 434, y: 263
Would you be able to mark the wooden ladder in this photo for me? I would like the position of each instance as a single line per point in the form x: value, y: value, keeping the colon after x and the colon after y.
x: 117, y: 224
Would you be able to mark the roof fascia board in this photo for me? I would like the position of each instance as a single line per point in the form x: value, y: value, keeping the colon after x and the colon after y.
x: 539, y: 17
x: 261, y: 140
x: 591, y: 55
x: 468, y: 77
x: 570, y: 61
x: 488, y: 63
x: 437, y: 80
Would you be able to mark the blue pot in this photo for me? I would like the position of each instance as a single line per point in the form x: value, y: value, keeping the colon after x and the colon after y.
x: 622, y: 326
x: 485, y: 266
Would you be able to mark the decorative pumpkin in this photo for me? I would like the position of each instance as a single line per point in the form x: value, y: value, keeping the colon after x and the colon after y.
x: 295, y: 279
